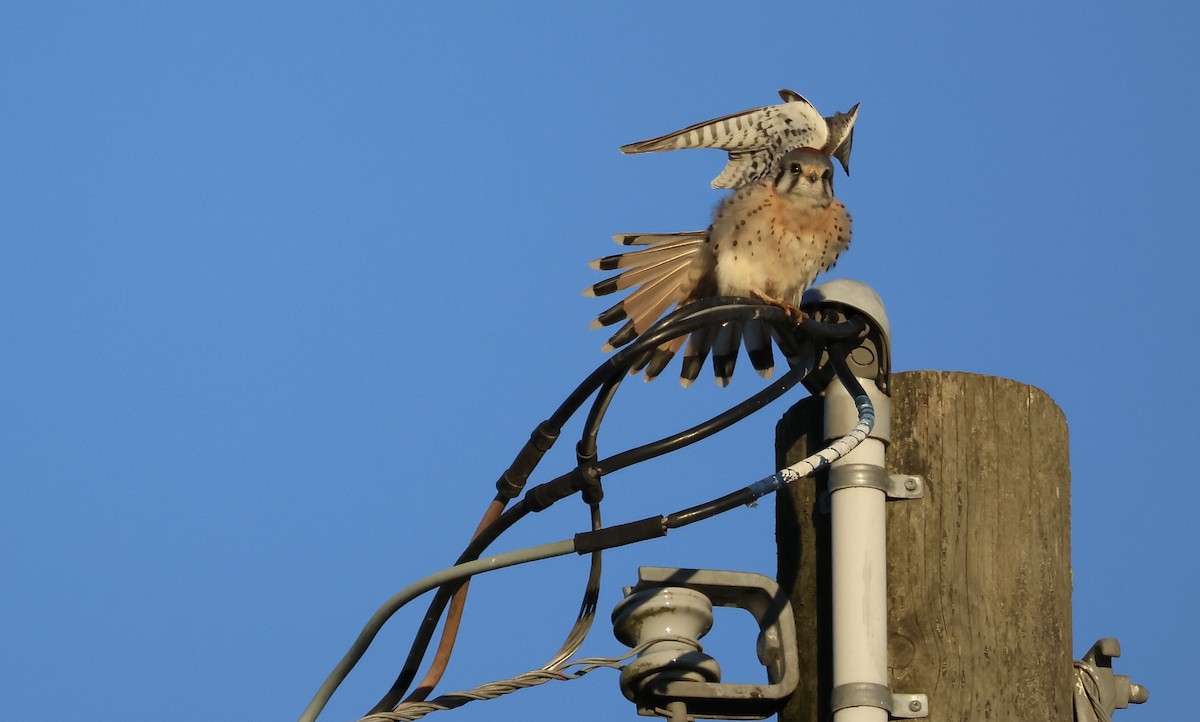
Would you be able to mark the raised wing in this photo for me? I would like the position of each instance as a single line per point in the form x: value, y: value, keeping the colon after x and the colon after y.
x: 757, y: 138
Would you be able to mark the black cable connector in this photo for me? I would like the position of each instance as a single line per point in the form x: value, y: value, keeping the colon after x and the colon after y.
x: 592, y: 491
x: 620, y: 535
x: 512, y: 482
x: 542, y: 496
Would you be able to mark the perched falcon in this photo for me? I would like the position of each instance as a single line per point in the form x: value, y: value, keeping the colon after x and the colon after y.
x: 757, y: 138
x: 768, y: 240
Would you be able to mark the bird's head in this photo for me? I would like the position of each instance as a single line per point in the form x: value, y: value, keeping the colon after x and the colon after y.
x: 805, y: 172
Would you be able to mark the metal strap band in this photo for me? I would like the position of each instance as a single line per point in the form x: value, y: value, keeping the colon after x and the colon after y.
x: 867, y: 475
x: 861, y: 694
x: 868, y: 694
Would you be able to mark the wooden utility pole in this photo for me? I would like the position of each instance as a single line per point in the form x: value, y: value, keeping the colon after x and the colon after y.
x: 979, y: 570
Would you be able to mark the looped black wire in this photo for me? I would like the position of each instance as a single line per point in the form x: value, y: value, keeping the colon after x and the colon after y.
x: 606, y: 379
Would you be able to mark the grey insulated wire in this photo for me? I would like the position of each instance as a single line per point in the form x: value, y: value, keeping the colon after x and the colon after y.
x: 412, y: 591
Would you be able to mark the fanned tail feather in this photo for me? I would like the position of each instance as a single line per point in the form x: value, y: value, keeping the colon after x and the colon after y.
x: 698, y: 346
x: 660, y: 276
x: 655, y: 254
x: 725, y: 350
x: 634, y: 276
x: 757, y: 339
x: 644, y: 306
x: 658, y: 360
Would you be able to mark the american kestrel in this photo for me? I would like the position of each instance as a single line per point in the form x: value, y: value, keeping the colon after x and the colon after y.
x: 768, y: 240
x: 757, y: 138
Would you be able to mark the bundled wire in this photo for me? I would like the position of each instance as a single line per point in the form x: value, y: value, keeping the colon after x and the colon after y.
x: 585, y: 478
x: 493, y: 690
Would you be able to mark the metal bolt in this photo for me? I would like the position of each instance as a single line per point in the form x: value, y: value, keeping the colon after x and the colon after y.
x: 910, y: 484
x: 914, y: 706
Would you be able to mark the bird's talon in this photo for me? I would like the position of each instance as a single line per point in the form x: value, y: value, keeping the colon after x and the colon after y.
x: 793, y: 314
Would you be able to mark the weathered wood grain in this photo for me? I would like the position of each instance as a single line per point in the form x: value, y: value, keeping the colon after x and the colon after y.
x: 979, y: 570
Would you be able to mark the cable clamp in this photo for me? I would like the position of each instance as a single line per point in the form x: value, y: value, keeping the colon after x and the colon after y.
x: 901, y: 487
x: 867, y: 694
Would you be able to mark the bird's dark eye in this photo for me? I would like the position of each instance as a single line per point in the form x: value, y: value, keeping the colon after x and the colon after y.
x: 794, y: 168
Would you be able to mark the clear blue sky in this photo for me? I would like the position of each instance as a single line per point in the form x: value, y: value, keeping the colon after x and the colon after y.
x: 283, y: 286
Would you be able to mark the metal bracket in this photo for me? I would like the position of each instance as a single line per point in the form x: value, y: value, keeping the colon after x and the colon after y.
x: 1099, y: 692
x: 867, y: 694
x: 776, y: 647
x: 901, y: 487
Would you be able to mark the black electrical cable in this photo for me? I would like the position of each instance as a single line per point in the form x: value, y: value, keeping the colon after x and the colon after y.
x: 700, y: 512
x: 704, y: 429
x: 591, y: 425
x: 845, y: 375
x: 587, y: 607
x: 586, y: 450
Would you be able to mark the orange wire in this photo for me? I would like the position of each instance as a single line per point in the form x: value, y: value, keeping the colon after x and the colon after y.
x: 453, y: 618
